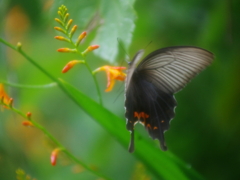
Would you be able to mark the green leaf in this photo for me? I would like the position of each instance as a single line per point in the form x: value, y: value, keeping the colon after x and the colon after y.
x: 118, y: 22
x: 162, y: 164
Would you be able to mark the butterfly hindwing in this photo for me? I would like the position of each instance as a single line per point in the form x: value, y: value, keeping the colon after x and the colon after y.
x: 149, y: 106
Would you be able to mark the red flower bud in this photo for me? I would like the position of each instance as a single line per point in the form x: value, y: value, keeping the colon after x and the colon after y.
x: 54, y: 156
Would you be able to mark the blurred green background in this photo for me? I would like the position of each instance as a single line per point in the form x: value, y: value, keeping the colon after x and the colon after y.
x: 206, y: 130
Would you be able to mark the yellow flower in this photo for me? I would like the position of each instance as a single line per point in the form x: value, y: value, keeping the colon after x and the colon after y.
x: 113, y: 73
x: 3, y: 96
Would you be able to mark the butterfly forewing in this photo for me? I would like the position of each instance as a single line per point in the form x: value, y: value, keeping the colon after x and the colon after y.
x: 150, y: 87
x: 174, y: 67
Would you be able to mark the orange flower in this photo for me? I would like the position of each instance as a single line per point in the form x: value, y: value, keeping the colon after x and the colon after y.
x: 70, y: 64
x: 113, y: 73
x: 4, y: 97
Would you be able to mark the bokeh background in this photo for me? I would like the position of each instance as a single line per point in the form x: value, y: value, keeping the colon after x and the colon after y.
x: 205, y: 132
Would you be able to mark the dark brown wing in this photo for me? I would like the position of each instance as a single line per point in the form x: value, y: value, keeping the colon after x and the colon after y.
x: 154, y: 107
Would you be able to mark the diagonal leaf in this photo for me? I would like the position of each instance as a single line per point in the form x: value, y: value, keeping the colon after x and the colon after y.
x: 118, y: 22
x: 162, y: 164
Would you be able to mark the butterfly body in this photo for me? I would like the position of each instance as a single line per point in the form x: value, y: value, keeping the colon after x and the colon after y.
x: 151, y: 84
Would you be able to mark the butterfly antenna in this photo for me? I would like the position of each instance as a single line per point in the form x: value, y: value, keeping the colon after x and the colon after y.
x: 148, y: 45
x: 119, y: 41
x: 119, y: 93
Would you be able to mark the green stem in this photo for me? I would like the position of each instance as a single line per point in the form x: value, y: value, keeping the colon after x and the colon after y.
x: 88, y: 67
x: 29, y: 86
x: 76, y: 48
x: 96, y: 84
x: 71, y: 156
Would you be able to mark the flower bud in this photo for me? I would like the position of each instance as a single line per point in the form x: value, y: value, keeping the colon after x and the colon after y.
x: 59, y: 21
x: 90, y: 48
x: 60, y: 29
x: 71, y: 64
x: 59, y: 13
x: 66, y: 50
x: 61, y: 38
x: 29, y: 115
x: 54, y: 156
x: 69, y: 23
x: 81, y: 37
x: 19, y: 46
x: 73, y: 30
x: 66, y: 17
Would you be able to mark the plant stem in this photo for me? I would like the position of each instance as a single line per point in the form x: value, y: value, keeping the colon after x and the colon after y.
x: 50, y: 85
x: 96, y: 83
x: 90, y: 71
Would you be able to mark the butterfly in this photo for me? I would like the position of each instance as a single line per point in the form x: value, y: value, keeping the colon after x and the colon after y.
x: 151, y: 84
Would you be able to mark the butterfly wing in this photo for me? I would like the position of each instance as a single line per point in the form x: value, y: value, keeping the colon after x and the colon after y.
x: 150, y: 88
x: 132, y: 66
x: 172, y: 68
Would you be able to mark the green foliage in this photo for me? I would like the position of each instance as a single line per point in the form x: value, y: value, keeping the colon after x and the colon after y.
x: 203, y: 138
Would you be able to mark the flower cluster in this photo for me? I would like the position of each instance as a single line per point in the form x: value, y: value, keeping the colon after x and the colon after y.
x: 113, y: 73
x: 68, y: 34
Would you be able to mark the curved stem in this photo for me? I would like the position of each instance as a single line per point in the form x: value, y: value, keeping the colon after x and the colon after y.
x: 96, y: 84
x: 94, y: 78
x: 50, y: 85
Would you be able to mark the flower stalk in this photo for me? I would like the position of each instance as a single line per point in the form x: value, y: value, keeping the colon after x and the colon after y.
x: 65, y: 26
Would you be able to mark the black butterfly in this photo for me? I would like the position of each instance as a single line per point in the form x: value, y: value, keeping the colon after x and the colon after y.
x: 150, y: 87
